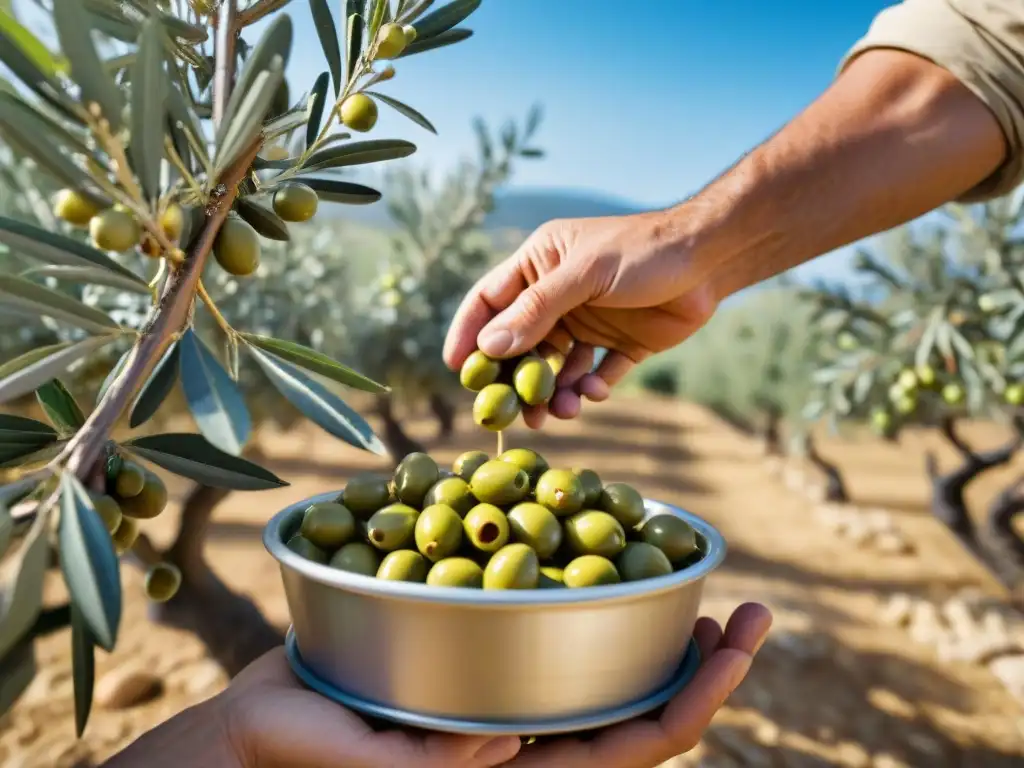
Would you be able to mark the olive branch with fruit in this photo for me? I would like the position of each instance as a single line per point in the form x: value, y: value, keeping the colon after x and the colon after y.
x: 162, y: 149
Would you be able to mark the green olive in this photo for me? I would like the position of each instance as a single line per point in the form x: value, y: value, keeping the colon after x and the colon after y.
x: 534, y: 380
x: 456, y: 572
x: 672, y: 535
x: 551, y: 578
x: 392, y: 527
x: 73, y: 207
x: 403, y: 565
x: 414, y: 476
x: 356, y: 557
x: 926, y: 375
x: 453, y: 491
x: 624, y: 503
x: 109, y: 511
x: 359, y: 112
x: 640, y: 560
x: 125, y: 535
x: 469, y: 462
x: 593, y: 532
x: 149, y: 502
x: 438, y: 532
x: 514, y: 566
x: 531, y: 462
x: 114, y: 230
x: 129, y: 481
x: 590, y: 571
x: 479, y: 371
x: 410, y: 34
x: 499, y: 483
x: 295, y: 202
x: 162, y: 582
x: 328, y: 525
x: 237, y: 247
x: 953, y: 393
x: 172, y: 222
x: 365, y: 493
x: 1014, y: 394
x: 486, y: 527
x: 561, y: 491
x: 535, y: 525
x: 592, y: 486
x: 303, y: 547
x: 390, y: 41
x: 496, y: 406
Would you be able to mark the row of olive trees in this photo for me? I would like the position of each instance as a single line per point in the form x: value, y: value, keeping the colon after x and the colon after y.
x: 936, y: 335
x: 150, y: 117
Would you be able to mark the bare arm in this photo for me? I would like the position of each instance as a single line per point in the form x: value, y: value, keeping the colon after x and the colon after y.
x: 894, y: 137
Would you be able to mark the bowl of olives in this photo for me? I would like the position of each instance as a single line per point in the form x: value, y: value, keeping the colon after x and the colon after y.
x: 500, y: 596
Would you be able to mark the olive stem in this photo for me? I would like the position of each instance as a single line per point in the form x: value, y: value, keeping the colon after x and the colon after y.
x: 178, y: 163
x: 115, y: 150
x: 501, y: 442
x: 212, y: 309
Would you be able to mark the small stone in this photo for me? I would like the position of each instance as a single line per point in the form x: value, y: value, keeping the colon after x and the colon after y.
x: 127, y: 686
x: 1009, y: 670
x: 898, y: 610
x: 858, y: 533
x: 853, y: 755
x: 892, y: 543
x: 958, y: 614
x: 878, y: 519
x: 885, y: 760
x: 768, y: 733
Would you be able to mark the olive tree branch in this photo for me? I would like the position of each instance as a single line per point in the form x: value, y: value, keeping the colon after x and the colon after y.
x: 224, y: 51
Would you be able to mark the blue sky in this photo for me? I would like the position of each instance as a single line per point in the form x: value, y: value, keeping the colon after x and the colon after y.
x: 646, y: 100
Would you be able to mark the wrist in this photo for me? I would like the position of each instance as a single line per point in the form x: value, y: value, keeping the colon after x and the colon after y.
x: 197, y: 737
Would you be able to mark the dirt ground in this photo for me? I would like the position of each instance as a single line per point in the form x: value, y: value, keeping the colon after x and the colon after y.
x: 833, y: 686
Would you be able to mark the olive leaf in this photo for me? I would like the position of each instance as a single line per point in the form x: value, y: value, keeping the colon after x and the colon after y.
x: 15, y: 454
x: 89, y: 562
x: 193, y: 457
x: 276, y: 43
x: 262, y: 219
x: 315, y: 362
x: 21, y: 595
x: 353, y: 39
x: 450, y: 37
x: 17, y: 670
x: 148, y: 100
x: 346, y: 192
x: 88, y: 276
x: 315, y: 108
x: 48, y: 63
x: 328, y: 34
x: 32, y: 74
x: 318, y: 404
x: 112, y: 375
x: 157, y: 388
x: 74, y: 30
x: 27, y: 372
x: 83, y: 668
x: 405, y: 110
x: 60, y: 407
x: 247, y: 122
x: 358, y: 153
x: 182, y: 30
x: 213, y: 397
x: 37, y: 243
x: 185, y: 117
x: 25, y: 296
x: 444, y: 18
x: 376, y: 16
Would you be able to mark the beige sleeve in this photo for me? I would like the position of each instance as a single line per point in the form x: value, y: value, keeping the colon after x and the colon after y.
x: 981, y: 42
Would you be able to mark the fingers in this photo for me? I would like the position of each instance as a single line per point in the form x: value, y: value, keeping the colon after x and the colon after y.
x: 614, y: 367
x: 708, y: 634
x: 534, y: 312
x: 447, y: 749
x: 747, y: 628
x: 491, y: 294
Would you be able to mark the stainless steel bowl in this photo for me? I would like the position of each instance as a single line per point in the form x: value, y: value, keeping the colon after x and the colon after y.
x: 504, y: 657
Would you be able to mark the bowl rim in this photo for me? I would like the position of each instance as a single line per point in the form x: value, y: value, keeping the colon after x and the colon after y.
x: 414, y: 591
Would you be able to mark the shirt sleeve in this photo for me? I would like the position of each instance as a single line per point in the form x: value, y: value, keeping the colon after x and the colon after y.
x: 980, y: 42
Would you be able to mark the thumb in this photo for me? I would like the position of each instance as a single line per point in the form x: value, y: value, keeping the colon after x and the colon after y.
x: 529, y: 319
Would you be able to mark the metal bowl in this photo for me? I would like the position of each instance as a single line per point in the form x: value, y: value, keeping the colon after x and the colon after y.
x: 502, y: 657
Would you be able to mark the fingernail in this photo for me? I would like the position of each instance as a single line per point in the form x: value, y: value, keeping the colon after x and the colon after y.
x: 499, y: 750
x: 495, y: 341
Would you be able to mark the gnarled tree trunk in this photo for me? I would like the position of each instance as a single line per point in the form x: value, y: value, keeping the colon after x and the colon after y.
x: 444, y: 412
x: 1005, y: 542
x: 835, y: 487
x: 398, y: 443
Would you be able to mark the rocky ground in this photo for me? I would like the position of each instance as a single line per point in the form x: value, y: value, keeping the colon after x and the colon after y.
x: 844, y: 679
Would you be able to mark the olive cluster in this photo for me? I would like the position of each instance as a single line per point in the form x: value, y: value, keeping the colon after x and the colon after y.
x: 358, y: 111
x: 503, y: 387
x: 236, y: 247
x: 133, y: 493
x: 507, y: 523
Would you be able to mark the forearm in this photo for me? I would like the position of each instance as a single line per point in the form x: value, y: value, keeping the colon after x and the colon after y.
x: 893, y: 138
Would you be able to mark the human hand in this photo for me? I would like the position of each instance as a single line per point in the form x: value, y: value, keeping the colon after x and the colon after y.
x: 266, y: 718
x: 647, y: 742
x: 622, y: 283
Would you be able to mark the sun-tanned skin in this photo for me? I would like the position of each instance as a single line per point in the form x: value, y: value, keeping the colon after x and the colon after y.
x: 894, y: 137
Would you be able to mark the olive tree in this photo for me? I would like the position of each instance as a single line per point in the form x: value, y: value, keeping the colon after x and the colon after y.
x: 934, y: 335
x: 151, y: 116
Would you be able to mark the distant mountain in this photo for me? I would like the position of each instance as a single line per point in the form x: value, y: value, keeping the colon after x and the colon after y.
x: 515, y: 209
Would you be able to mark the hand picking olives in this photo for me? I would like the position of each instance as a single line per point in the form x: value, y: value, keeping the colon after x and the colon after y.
x: 503, y: 387
x: 508, y: 522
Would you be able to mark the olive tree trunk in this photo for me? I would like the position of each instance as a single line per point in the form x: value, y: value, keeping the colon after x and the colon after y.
x: 394, y: 437
x: 835, y: 487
